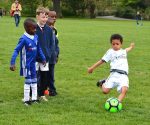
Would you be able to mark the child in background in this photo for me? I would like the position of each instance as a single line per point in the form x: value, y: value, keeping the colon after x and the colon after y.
x: 28, y: 47
x: 119, y: 67
x: 51, y: 22
x: 47, y: 42
x: 52, y: 15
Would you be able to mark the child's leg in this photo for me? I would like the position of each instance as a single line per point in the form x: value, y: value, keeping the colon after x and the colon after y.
x: 34, y: 81
x: 123, y: 93
x: 105, y: 90
x: 100, y: 84
x: 51, y: 80
x: 26, y: 92
x: 34, y: 91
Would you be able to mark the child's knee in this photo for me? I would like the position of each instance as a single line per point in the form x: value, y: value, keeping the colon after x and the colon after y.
x: 105, y: 90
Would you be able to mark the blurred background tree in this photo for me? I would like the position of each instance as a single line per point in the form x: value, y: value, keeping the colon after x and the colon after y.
x: 84, y: 8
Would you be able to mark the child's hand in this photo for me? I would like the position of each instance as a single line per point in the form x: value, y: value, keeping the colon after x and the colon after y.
x: 12, y: 67
x: 90, y: 70
x: 44, y: 63
x: 132, y: 45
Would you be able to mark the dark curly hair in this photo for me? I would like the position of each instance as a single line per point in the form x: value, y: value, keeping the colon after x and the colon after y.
x: 116, y: 36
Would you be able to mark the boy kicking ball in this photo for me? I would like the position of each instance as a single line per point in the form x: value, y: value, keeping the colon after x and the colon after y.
x: 28, y: 47
x: 119, y: 67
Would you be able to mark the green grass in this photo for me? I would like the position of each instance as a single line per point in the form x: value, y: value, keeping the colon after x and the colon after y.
x: 79, y: 102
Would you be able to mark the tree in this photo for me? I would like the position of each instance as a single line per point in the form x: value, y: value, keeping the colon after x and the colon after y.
x: 57, y: 8
x: 91, y: 5
x: 77, y: 7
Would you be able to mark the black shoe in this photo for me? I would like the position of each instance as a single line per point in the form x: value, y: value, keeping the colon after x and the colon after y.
x: 36, y: 101
x: 52, y: 93
x: 27, y: 103
x: 100, y: 82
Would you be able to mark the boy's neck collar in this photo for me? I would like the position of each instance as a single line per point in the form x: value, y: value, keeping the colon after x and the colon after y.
x: 29, y: 36
x: 40, y: 25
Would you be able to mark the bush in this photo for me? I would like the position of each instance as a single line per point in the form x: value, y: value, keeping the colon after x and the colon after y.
x: 67, y: 13
x: 106, y: 12
x: 126, y: 12
x: 147, y: 14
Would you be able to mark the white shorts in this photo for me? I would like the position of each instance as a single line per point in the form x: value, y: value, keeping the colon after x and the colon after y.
x: 42, y: 67
x: 116, y: 80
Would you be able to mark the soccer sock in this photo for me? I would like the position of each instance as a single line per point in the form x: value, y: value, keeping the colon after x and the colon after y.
x: 26, y: 92
x: 34, y: 91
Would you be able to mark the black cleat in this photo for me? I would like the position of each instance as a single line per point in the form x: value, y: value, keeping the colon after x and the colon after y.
x: 27, y: 103
x: 100, y: 82
x: 52, y: 93
x: 36, y: 101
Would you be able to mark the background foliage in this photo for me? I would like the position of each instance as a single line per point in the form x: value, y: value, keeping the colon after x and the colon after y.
x: 85, y: 8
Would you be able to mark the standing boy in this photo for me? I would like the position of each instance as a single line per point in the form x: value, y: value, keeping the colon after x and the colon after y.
x: 52, y: 89
x: 28, y: 47
x: 119, y: 67
x: 52, y: 15
x: 47, y: 42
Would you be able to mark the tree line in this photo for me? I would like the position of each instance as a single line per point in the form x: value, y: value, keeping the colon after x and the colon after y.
x: 85, y: 8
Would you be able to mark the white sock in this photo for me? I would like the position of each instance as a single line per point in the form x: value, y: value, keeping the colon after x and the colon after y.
x: 34, y: 91
x: 26, y: 92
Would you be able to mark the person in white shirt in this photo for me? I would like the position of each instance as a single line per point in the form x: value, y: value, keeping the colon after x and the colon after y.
x: 118, y: 67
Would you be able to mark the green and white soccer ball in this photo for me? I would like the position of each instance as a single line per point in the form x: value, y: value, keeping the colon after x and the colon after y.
x: 113, y: 105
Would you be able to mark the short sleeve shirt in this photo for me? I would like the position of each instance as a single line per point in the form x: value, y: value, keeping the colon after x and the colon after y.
x: 118, y: 59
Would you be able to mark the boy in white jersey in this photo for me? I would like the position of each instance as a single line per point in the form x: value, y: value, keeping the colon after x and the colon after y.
x: 119, y: 67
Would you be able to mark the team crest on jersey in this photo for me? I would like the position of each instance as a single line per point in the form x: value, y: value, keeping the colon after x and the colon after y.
x: 30, y: 44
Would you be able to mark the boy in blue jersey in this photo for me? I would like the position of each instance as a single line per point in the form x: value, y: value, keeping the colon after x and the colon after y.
x: 28, y: 47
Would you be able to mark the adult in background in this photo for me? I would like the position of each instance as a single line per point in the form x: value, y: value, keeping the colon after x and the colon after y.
x: 139, y: 18
x: 16, y: 11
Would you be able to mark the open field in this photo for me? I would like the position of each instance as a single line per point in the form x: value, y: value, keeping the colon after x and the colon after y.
x: 79, y: 101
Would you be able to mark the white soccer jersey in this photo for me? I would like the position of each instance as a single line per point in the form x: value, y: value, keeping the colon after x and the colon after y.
x: 118, y: 59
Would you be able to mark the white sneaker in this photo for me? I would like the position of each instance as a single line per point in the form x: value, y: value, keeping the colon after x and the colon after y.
x: 43, y: 98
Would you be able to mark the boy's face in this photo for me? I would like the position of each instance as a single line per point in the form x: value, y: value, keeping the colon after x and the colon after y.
x: 52, y: 15
x: 116, y: 44
x: 50, y: 22
x: 16, y: 1
x: 31, y: 29
x: 42, y: 18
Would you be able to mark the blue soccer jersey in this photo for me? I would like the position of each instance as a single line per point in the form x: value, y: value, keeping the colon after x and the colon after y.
x: 28, y: 47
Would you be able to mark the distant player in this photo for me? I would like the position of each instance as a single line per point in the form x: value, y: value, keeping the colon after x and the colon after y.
x: 28, y: 47
x: 139, y: 18
x: 119, y: 67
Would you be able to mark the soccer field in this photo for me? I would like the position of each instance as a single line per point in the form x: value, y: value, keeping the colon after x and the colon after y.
x: 79, y: 102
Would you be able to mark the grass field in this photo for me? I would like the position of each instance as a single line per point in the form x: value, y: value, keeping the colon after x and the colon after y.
x: 79, y: 101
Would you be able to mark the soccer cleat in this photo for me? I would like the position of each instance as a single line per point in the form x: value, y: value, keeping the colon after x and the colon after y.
x: 100, y: 82
x: 43, y: 98
x: 27, y: 103
x: 36, y: 101
x: 52, y: 93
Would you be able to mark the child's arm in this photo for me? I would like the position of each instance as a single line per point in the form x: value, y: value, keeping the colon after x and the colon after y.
x: 90, y: 69
x: 41, y: 54
x: 130, y: 47
x: 15, y: 54
x: 57, y: 48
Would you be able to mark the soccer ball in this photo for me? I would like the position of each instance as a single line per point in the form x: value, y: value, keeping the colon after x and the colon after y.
x: 113, y: 105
